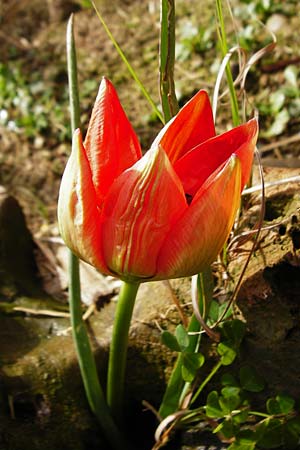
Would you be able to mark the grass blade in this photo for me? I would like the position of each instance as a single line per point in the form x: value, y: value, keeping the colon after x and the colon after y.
x: 128, y: 65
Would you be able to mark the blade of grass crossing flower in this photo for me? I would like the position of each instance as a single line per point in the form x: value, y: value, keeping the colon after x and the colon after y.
x: 167, y: 59
x: 85, y: 355
x: 128, y: 65
x: 224, y: 49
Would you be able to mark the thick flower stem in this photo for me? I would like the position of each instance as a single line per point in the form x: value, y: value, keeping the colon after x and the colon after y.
x: 87, y: 363
x: 118, y: 349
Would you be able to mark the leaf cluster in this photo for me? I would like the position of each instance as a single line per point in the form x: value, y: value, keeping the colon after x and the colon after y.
x: 228, y: 411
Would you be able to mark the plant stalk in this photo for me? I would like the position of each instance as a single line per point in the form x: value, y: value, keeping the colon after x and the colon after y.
x: 118, y: 350
x: 167, y: 59
x: 207, y: 379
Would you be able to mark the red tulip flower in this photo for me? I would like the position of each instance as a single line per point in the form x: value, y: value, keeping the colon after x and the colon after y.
x: 163, y: 215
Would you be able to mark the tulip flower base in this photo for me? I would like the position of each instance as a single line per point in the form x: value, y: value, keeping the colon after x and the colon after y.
x: 42, y: 403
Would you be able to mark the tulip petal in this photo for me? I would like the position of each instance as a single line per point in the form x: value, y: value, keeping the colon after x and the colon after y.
x: 197, y: 238
x: 192, y: 125
x: 111, y: 143
x: 197, y: 165
x: 140, y: 209
x: 78, y: 215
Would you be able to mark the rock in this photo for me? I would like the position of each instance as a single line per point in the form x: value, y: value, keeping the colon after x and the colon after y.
x: 18, y: 269
x: 269, y: 298
x: 42, y: 398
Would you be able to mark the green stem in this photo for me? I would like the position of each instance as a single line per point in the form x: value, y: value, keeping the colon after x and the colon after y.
x: 118, y: 349
x: 207, y: 379
x: 167, y: 59
x: 87, y: 363
x: 84, y: 352
x: 259, y: 414
x: 72, y: 76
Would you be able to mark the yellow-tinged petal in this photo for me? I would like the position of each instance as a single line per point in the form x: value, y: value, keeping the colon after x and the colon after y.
x: 140, y: 209
x: 192, y: 125
x: 78, y: 215
x: 197, y: 238
x: 111, y: 143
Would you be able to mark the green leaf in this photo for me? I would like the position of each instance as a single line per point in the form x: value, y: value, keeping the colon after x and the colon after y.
x: 290, y: 438
x: 182, y: 337
x: 213, y: 408
x: 286, y: 403
x: 229, y: 403
x: 250, y: 380
x: 245, y: 440
x: 227, y: 353
x: 234, y: 332
x: 273, y: 406
x: 213, y: 313
x: 191, y: 363
x: 294, y: 424
x: 187, y: 375
x: 229, y: 380
x: 272, y: 434
x: 170, y: 341
x: 282, y: 404
x: 240, y: 417
x: 229, y: 391
x: 226, y: 428
x: 247, y: 436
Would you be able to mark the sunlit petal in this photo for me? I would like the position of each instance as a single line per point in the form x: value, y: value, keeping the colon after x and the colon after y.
x: 197, y: 165
x: 191, y: 126
x: 141, y: 208
x: 111, y: 143
x: 196, y: 239
x: 78, y: 216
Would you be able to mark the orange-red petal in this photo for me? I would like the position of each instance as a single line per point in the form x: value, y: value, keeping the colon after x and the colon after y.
x: 140, y: 209
x: 78, y: 215
x: 197, y: 238
x: 192, y: 125
x: 197, y: 165
x: 111, y: 143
